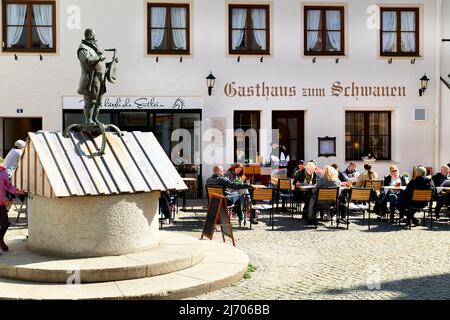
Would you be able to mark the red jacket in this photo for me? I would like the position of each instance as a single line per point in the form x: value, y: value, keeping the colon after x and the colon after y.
x: 5, y: 185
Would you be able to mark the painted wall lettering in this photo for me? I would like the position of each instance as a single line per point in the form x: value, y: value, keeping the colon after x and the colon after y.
x: 337, y: 89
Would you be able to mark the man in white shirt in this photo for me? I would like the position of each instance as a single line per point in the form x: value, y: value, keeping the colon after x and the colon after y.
x: 12, y: 159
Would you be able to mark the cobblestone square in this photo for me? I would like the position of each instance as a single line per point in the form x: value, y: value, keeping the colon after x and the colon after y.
x: 295, y: 262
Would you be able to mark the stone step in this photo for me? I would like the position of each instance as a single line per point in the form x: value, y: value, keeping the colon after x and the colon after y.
x: 175, y: 253
x: 222, y: 266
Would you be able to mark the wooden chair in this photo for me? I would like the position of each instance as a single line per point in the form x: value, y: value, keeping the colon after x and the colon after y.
x: 359, y: 195
x: 377, y: 190
x: 19, y: 202
x: 263, y: 195
x: 218, y: 191
x: 421, y: 196
x: 284, y: 192
x: 275, y: 177
x: 328, y: 197
x: 375, y: 185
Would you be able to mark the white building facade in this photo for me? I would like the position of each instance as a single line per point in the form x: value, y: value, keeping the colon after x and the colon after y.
x: 348, y: 70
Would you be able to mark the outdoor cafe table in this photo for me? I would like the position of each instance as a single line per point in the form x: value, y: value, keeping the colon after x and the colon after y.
x: 393, y: 188
x: 440, y: 189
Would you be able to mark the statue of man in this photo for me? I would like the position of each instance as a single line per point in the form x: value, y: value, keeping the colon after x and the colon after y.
x: 93, y: 76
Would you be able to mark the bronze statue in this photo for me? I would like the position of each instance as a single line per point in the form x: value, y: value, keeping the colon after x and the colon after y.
x: 94, y: 73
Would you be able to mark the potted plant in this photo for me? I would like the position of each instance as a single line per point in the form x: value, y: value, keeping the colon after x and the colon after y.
x: 406, y: 175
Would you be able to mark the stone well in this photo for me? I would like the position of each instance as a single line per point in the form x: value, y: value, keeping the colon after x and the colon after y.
x: 88, y: 202
x: 93, y: 226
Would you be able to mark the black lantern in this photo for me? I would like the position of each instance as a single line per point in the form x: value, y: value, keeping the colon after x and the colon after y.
x: 210, y: 81
x: 423, y: 84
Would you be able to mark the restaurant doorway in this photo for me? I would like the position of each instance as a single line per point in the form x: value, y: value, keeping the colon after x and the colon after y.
x: 291, y: 126
x: 18, y: 128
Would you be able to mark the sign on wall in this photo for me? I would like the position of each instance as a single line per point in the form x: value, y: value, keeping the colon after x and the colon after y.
x: 137, y: 103
x: 336, y: 89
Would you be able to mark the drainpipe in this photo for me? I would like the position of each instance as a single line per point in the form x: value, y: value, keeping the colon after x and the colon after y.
x: 437, y: 81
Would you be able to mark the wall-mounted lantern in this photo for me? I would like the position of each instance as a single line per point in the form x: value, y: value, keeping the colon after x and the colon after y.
x: 423, y: 84
x: 210, y: 81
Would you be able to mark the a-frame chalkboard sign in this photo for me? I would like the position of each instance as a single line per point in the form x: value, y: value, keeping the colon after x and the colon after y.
x: 217, y: 215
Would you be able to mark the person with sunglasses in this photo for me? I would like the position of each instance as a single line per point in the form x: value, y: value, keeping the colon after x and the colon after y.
x: 394, y: 179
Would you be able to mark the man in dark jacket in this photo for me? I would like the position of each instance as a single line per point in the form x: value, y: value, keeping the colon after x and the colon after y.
x: 440, y: 177
x: 442, y: 199
x: 218, y: 180
x: 350, y: 173
x: 421, y: 182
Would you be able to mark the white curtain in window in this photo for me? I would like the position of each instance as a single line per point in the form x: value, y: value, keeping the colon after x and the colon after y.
x: 312, y: 23
x: 179, y: 21
x: 15, y: 14
x: 259, y: 22
x: 43, y: 16
x: 238, y: 19
x: 158, y: 21
x: 408, y: 38
x: 389, y: 38
x: 334, y: 23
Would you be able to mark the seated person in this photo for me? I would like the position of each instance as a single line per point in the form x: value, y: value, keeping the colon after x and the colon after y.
x: 235, y: 173
x: 308, y: 176
x: 318, y: 170
x: 328, y: 180
x: 420, y: 182
x: 166, y: 204
x: 394, y: 179
x: 440, y: 177
x: 442, y: 199
x: 340, y: 175
x: 299, y: 170
x: 218, y: 180
x: 366, y: 175
x: 351, y: 173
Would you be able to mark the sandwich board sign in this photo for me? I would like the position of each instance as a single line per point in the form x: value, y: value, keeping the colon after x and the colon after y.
x: 217, y: 215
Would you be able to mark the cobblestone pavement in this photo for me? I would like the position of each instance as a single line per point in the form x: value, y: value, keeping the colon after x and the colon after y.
x: 296, y: 262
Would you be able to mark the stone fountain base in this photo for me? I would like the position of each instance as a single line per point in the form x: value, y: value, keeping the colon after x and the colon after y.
x: 83, y: 227
x: 180, y: 267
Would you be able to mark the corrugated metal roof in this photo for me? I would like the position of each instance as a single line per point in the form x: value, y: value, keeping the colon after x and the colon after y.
x: 73, y: 166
